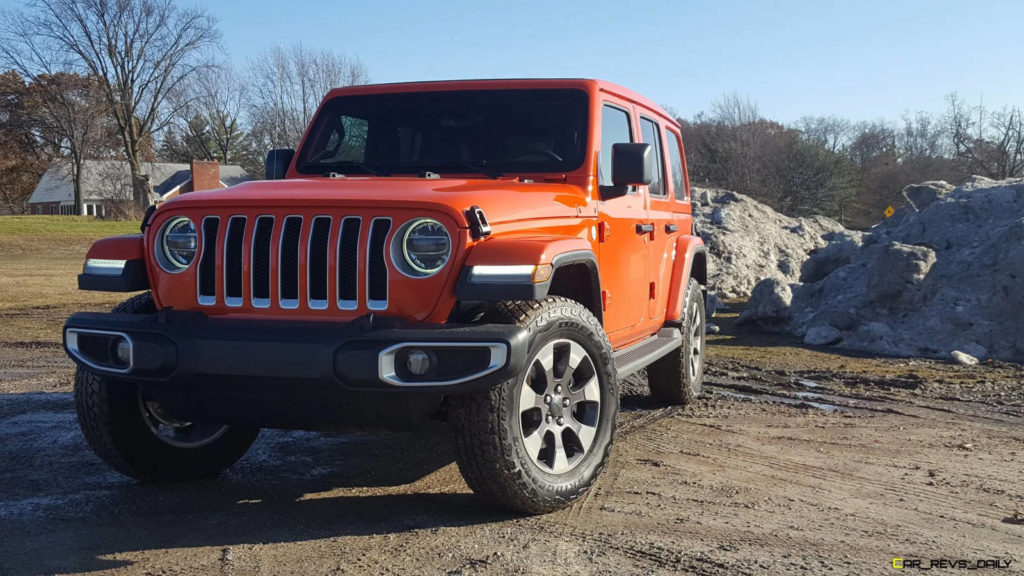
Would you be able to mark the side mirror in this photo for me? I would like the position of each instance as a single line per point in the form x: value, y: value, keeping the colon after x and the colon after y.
x: 277, y: 163
x: 632, y: 165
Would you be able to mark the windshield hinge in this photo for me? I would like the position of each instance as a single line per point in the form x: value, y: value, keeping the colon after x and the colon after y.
x: 429, y: 175
x: 478, y: 225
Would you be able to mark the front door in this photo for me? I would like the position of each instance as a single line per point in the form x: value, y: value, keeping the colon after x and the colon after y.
x: 624, y: 255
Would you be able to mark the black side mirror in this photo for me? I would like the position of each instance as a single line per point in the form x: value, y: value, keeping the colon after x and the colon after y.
x: 277, y: 163
x: 632, y: 165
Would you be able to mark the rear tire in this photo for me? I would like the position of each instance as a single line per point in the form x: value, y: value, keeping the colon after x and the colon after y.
x: 676, y: 379
x: 538, y: 441
x: 129, y: 431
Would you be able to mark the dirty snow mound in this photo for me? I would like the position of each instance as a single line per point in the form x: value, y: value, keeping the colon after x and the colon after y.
x: 748, y: 241
x: 946, y: 275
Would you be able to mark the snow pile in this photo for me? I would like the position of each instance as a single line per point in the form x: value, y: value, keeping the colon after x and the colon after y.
x: 942, y: 275
x: 748, y: 241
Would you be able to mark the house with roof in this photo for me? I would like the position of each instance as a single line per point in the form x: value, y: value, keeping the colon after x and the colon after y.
x: 106, y: 182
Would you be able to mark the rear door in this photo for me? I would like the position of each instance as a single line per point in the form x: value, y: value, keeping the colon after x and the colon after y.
x: 665, y: 230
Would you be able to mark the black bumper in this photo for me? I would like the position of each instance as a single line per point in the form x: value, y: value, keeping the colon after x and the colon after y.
x: 292, y: 374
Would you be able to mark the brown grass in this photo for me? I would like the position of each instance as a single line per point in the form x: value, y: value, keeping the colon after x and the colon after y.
x: 40, y: 259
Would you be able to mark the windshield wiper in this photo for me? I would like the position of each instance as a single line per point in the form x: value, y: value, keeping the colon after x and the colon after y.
x: 340, y: 169
x: 478, y: 167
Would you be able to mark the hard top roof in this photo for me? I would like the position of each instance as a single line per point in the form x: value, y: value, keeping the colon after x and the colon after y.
x: 503, y: 83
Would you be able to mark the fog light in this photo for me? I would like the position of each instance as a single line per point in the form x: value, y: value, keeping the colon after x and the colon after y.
x: 418, y: 362
x: 123, y: 351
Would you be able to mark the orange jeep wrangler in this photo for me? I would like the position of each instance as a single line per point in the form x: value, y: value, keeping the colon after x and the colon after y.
x: 500, y: 252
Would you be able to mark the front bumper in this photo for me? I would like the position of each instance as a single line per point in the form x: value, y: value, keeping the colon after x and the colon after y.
x: 279, y: 373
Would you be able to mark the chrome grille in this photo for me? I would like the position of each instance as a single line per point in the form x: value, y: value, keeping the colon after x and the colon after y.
x: 304, y: 247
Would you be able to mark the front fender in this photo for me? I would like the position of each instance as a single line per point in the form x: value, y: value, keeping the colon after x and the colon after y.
x: 115, y: 264
x: 536, y: 250
x: 519, y: 268
x: 689, y: 250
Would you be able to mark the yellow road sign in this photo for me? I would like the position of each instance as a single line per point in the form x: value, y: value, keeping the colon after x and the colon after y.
x: 889, y: 211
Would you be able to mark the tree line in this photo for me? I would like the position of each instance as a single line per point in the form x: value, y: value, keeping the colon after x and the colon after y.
x: 851, y: 171
x: 143, y: 81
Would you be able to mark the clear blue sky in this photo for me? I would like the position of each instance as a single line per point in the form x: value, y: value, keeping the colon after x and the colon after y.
x: 859, y: 59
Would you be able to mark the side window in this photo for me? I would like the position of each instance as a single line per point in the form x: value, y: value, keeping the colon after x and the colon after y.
x: 614, y: 129
x: 649, y: 132
x: 675, y: 160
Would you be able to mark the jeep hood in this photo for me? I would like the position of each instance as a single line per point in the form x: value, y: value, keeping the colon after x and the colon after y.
x: 502, y: 200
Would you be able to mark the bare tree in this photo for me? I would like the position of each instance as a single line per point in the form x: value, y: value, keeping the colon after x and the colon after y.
x: 830, y: 132
x: 288, y: 84
x: 23, y: 158
x: 138, y: 48
x: 734, y: 110
x: 69, y: 112
x: 990, y: 143
x: 922, y: 136
x: 209, y: 122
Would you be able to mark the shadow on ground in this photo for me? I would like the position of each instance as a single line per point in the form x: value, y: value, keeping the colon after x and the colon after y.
x: 62, y: 510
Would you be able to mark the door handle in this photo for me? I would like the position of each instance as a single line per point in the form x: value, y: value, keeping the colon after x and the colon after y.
x: 644, y: 228
x: 671, y: 228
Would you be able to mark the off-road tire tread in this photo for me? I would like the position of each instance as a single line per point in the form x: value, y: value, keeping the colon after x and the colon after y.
x: 668, y: 377
x: 485, y: 456
x: 96, y: 400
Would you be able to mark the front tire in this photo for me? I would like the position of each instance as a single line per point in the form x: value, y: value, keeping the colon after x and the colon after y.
x: 132, y: 434
x: 677, y: 378
x: 537, y: 442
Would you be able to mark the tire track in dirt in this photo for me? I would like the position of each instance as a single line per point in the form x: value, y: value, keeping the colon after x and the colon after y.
x: 647, y: 553
x: 926, y: 506
x: 630, y: 422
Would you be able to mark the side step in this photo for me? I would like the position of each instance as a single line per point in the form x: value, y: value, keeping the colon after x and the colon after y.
x: 643, y: 353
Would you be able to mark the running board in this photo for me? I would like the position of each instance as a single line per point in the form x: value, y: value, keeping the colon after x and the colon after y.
x: 643, y: 353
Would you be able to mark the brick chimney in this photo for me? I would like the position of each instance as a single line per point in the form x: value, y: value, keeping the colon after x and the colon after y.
x: 205, y: 175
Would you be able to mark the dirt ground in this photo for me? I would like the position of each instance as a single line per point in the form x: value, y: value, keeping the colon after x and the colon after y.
x: 795, y: 460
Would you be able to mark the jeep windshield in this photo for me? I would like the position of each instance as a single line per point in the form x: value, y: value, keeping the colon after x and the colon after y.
x: 487, y: 132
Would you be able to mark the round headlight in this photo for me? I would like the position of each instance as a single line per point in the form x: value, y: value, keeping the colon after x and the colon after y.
x: 426, y: 246
x: 177, y: 244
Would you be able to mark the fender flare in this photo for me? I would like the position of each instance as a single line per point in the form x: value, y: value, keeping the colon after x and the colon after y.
x: 557, y: 251
x: 692, y: 251
x: 103, y: 270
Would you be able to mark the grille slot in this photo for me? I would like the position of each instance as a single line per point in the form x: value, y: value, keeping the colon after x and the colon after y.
x: 288, y: 263
x: 233, y: 261
x: 206, y: 274
x: 261, y: 261
x: 348, y: 263
x: 376, y: 266
x: 316, y: 262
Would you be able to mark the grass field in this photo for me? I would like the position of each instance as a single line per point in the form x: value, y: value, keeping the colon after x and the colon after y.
x: 40, y: 259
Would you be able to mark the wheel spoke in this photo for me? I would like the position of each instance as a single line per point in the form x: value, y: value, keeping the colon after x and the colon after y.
x: 585, y: 433
x: 561, y: 462
x: 528, y: 399
x: 534, y: 441
x: 546, y: 358
x: 576, y: 354
x: 589, y: 392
